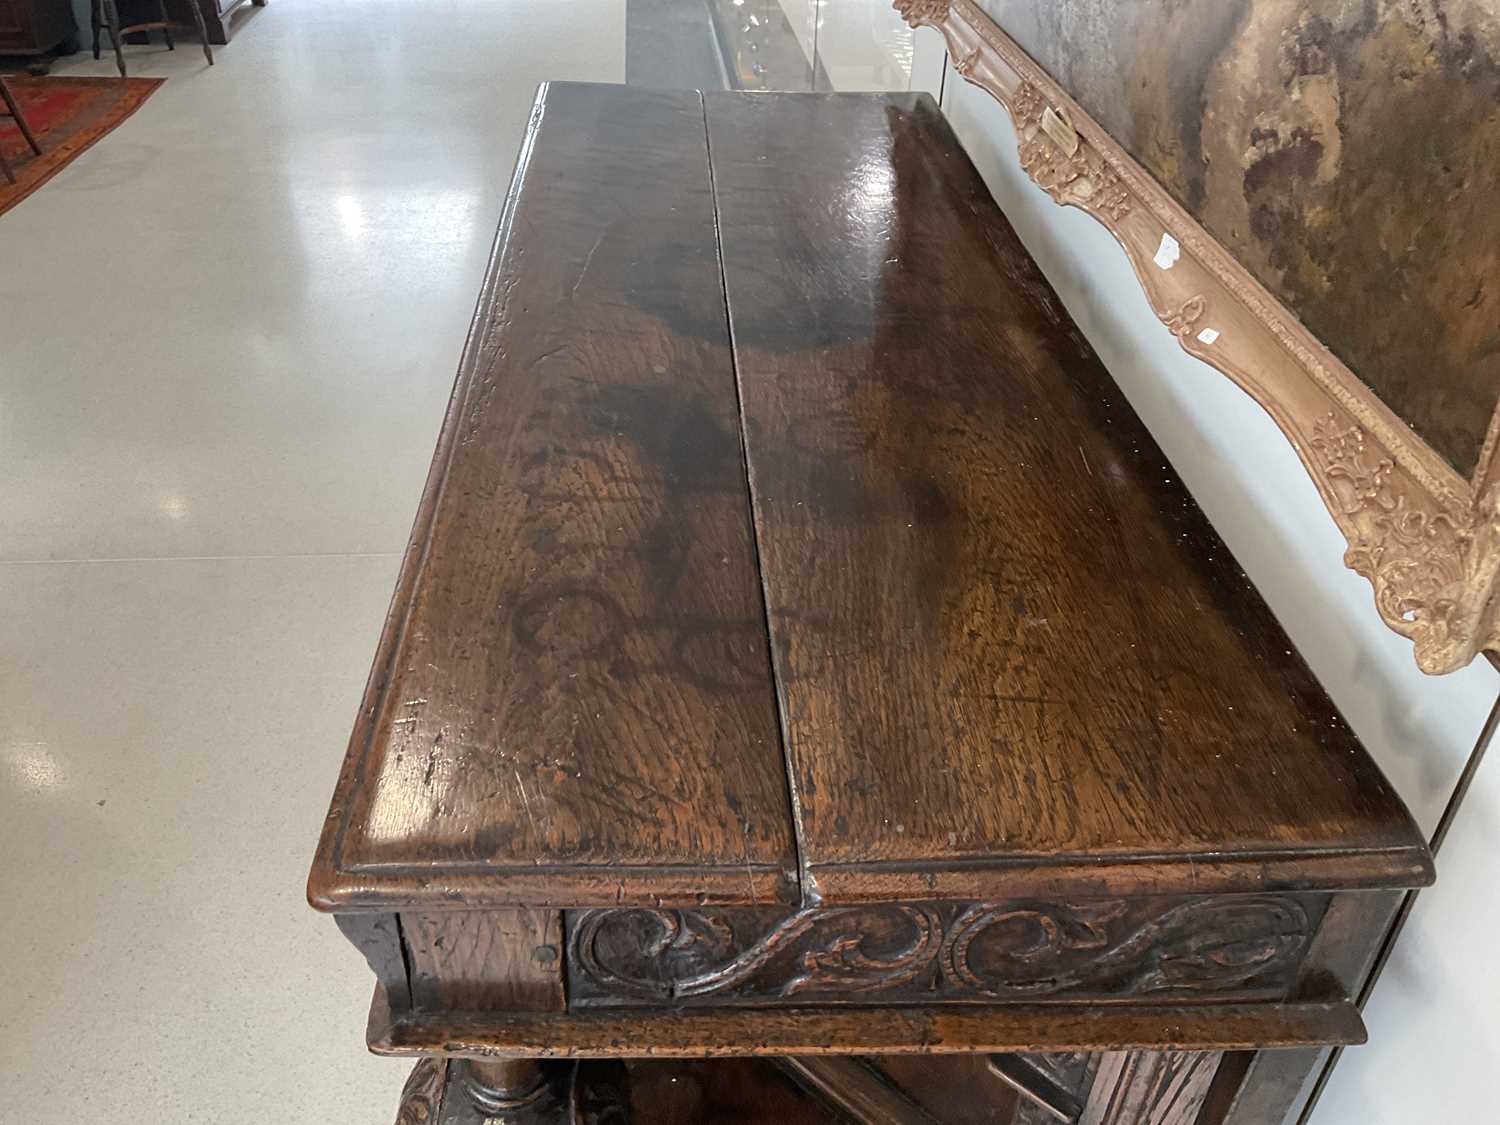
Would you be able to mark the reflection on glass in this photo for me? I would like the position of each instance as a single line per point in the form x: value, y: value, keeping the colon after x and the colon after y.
x: 793, y: 45
x: 760, y: 47
x: 863, y: 45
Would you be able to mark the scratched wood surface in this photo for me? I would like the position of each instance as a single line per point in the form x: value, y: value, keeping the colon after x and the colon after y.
x: 572, y: 700
x: 1010, y: 649
x: 981, y: 1029
x: 1012, y: 656
x: 485, y: 959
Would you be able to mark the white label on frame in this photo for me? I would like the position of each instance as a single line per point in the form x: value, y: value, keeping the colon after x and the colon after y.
x: 1208, y: 336
x: 1168, y: 252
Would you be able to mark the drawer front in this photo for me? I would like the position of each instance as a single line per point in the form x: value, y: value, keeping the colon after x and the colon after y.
x: 1243, y: 947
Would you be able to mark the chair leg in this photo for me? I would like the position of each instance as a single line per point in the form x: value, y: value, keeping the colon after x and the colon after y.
x: 208, y: 52
x: 96, y: 19
x: 166, y: 32
x: 21, y: 122
x: 112, y: 21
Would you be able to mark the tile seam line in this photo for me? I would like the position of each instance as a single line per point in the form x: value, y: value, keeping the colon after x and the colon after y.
x: 107, y: 559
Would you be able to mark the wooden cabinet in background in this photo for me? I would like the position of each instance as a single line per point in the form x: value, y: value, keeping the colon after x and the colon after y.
x: 34, y: 27
x: 216, y: 14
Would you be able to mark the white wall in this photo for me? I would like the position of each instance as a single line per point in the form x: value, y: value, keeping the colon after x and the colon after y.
x: 1435, y: 1017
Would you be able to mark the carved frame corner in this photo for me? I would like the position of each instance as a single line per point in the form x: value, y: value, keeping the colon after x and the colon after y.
x: 1426, y: 539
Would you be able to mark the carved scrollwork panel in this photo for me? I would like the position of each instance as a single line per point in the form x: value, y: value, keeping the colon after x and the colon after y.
x: 677, y: 956
x: 1030, y: 949
x: 937, y: 952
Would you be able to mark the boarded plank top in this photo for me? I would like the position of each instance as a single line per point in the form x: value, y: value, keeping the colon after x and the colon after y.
x: 1012, y: 654
x: 1009, y: 654
x: 572, y: 701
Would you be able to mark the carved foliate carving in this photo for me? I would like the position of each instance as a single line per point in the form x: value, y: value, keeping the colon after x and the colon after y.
x: 1046, y: 948
x: 1082, y: 179
x: 916, y: 12
x: 422, y: 1096
x: 678, y: 955
x: 1427, y: 566
x: 936, y: 951
x: 966, y: 65
x: 1427, y: 540
x: 1184, y: 319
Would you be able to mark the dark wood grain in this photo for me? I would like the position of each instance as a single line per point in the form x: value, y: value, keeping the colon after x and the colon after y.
x: 34, y: 27
x: 727, y: 1033
x: 422, y: 1096
x: 1008, y: 644
x: 378, y: 938
x: 1338, y: 961
x: 572, y: 699
x: 972, y: 741
x: 1042, y: 1086
x: 857, y: 1090
x: 933, y: 1080
x: 501, y: 959
x: 737, y: 1091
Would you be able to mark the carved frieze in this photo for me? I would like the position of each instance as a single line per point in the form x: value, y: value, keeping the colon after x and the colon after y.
x: 1427, y: 539
x: 1022, y: 950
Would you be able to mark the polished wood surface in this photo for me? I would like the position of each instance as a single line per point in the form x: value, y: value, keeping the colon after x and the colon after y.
x: 1012, y: 656
x: 484, y: 959
x: 1436, y: 588
x: 1005, y: 636
x: 572, y: 701
x: 803, y: 650
x: 876, y: 1030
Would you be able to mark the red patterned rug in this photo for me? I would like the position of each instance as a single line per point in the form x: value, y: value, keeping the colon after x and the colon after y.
x: 67, y: 115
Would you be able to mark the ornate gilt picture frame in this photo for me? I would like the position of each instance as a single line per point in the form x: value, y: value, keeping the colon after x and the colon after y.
x: 1426, y: 538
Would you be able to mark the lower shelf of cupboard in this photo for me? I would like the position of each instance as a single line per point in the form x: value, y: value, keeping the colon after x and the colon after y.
x: 729, y: 1032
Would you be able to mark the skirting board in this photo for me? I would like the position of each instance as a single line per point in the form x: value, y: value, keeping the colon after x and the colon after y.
x: 1427, y: 540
